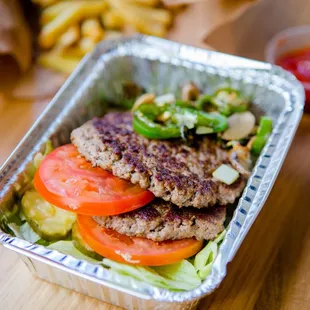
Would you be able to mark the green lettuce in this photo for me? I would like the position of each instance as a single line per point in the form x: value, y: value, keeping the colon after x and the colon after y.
x: 38, y: 159
x: 15, y: 229
x: 182, y: 271
x: 26, y: 182
x: 67, y: 247
x: 179, y: 276
x: 28, y: 233
x: 24, y: 232
x: 204, y: 259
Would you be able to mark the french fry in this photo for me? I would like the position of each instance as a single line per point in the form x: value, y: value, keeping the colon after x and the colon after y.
x: 111, y: 34
x: 152, y: 14
x: 91, y: 28
x: 87, y: 45
x: 51, y: 32
x: 71, y: 51
x: 145, y: 2
x: 55, y: 61
x: 51, y: 12
x: 112, y: 19
x: 142, y: 23
x: 154, y: 29
x: 70, y: 37
x: 72, y: 27
x: 45, y: 3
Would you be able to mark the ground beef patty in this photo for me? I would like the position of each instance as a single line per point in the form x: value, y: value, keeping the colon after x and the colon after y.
x: 161, y: 220
x: 170, y: 169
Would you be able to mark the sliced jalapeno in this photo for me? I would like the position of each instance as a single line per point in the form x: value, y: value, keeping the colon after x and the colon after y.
x: 229, y: 101
x: 182, y: 115
x: 263, y: 132
x: 144, y: 123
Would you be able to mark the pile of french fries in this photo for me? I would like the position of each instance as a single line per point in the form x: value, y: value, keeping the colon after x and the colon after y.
x: 72, y: 28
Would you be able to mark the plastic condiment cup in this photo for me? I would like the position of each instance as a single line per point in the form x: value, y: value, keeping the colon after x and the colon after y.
x: 286, y: 42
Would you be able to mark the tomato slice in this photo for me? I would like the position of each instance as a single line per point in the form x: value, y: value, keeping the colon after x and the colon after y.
x: 134, y: 250
x: 68, y: 181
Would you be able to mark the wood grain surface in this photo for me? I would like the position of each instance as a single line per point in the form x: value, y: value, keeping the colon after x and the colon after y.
x: 270, y: 271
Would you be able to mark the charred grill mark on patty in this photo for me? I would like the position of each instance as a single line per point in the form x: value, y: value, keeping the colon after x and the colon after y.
x: 162, y: 220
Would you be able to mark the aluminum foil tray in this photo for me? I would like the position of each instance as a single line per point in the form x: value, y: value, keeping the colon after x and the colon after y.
x: 159, y: 66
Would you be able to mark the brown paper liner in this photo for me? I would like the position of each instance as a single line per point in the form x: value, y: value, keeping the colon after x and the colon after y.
x: 38, y: 83
x: 202, y: 17
x: 248, y: 35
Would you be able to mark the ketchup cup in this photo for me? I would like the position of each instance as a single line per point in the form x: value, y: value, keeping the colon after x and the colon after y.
x: 290, y: 49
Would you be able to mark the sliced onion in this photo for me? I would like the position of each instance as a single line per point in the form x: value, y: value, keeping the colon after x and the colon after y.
x: 240, y: 125
x: 167, y: 98
x: 226, y: 174
x: 202, y: 130
x: 145, y: 98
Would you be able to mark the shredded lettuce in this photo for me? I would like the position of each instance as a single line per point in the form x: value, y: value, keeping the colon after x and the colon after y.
x: 220, y: 237
x: 10, y: 214
x: 179, y: 276
x: 28, y: 233
x: 205, y: 256
x: 67, y: 247
x: 26, y: 182
x: 204, y: 259
x: 24, y: 232
x: 205, y: 271
x: 32, y: 168
x: 15, y: 229
x: 39, y: 157
x: 22, y: 216
x: 182, y: 271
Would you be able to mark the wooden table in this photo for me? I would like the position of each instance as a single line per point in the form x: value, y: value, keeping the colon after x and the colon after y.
x: 270, y: 271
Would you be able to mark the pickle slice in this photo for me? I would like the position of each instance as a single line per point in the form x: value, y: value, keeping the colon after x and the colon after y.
x: 49, y: 222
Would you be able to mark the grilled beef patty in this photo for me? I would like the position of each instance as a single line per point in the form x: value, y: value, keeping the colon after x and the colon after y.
x: 161, y: 220
x: 170, y: 169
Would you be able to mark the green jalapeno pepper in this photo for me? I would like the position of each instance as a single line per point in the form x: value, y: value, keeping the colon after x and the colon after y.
x: 229, y: 101
x: 215, y: 121
x: 184, y: 104
x: 263, y: 132
x: 144, y: 123
x: 202, y: 101
x: 182, y: 115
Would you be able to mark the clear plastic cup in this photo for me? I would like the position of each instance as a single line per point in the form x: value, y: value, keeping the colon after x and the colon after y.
x: 287, y: 41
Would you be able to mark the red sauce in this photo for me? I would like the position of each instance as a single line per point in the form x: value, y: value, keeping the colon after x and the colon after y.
x: 298, y: 62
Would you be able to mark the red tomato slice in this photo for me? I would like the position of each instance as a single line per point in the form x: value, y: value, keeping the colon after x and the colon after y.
x: 68, y: 181
x: 134, y: 250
